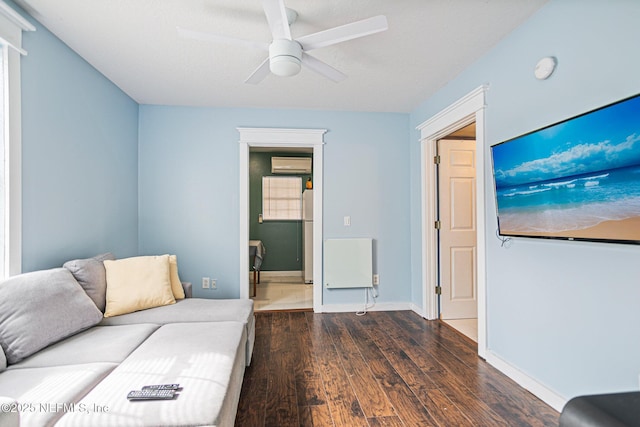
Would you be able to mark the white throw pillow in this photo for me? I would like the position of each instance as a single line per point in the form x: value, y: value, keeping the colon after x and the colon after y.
x: 137, y: 283
x: 176, y: 285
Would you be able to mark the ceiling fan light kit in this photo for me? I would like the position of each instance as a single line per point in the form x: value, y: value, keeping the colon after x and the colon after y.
x: 286, y: 55
x: 285, y: 58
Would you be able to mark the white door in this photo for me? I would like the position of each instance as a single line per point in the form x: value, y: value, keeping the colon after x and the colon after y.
x: 457, y: 213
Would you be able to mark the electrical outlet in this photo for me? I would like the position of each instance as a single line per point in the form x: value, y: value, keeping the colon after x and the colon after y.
x: 206, y: 283
x: 213, y: 284
x: 347, y: 221
x: 376, y: 279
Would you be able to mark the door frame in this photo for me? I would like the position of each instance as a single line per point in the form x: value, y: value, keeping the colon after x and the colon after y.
x: 468, y: 109
x: 279, y: 138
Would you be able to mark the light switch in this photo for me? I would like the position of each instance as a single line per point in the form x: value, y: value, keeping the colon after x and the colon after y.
x: 347, y: 221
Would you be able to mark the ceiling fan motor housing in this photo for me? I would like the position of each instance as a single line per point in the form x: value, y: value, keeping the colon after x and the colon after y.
x: 285, y: 57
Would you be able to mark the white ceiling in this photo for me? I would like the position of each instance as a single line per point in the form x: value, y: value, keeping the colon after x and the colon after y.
x: 134, y: 43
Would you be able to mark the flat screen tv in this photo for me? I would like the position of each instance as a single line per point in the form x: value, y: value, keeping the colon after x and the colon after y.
x: 578, y: 179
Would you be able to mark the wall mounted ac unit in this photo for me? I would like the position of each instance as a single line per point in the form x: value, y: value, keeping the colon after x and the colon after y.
x: 291, y: 165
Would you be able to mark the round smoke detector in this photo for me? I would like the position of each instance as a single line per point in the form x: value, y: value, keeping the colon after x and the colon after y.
x: 545, y: 67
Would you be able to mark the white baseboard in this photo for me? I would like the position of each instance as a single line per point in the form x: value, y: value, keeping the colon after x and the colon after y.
x: 418, y: 310
x: 355, y: 307
x: 297, y: 273
x: 541, y: 391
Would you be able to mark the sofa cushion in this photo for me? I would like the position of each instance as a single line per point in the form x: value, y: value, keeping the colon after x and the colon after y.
x: 45, y: 394
x: 40, y: 308
x: 196, y: 310
x: 189, y: 310
x: 9, y: 418
x: 137, y: 283
x: 206, y: 359
x: 97, y: 344
x: 176, y: 284
x: 91, y: 275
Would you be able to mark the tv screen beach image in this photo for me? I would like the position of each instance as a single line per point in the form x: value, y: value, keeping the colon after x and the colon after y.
x: 576, y: 179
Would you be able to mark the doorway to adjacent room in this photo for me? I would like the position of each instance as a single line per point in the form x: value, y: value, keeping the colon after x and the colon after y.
x: 281, y: 228
x: 467, y: 110
x: 279, y: 139
x: 457, y: 230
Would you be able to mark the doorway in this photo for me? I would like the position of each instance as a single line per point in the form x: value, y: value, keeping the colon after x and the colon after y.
x: 468, y: 109
x: 291, y: 139
x: 457, y: 231
x: 281, y: 228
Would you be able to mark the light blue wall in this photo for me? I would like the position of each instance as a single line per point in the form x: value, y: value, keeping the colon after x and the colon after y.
x: 189, y: 172
x: 79, y: 152
x: 565, y: 313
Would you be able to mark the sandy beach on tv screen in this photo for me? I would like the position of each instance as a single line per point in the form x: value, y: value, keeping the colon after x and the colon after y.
x: 624, y: 229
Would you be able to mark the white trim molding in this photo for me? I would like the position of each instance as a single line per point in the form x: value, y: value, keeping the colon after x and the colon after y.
x: 15, y: 18
x: 355, y: 307
x: 543, y: 392
x: 468, y: 109
x: 271, y: 137
x: 278, y: 274
x: 418, y: 310
x: 278, y: 138
x: 12, y: 25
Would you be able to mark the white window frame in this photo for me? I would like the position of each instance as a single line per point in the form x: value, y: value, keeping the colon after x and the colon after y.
x: 12, y: 25
x: 269, y: 196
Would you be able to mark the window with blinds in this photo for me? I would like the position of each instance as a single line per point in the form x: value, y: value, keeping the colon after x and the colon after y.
x: 281, y: 198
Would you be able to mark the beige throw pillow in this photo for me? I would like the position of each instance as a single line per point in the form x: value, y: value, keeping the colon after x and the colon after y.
x: 176, y: 285
x: 137, y: 283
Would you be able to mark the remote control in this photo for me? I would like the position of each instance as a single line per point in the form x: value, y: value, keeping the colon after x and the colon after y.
x: 162, y: 387
x: 151, y: 394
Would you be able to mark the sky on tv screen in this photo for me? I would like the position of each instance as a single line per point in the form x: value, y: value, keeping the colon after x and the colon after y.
x: 602, y: 140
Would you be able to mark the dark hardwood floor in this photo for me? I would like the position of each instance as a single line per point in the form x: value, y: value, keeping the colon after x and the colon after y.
x: 381, y: 369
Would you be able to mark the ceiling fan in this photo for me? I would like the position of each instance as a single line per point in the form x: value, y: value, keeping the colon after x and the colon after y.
x: 286, y: 55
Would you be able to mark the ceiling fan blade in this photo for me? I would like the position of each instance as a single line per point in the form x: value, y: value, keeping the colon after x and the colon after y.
x: 259, y: 73
x: 209, y: 37
x: 344, y: 32
x: 322, y: 68
x: 277, y: 19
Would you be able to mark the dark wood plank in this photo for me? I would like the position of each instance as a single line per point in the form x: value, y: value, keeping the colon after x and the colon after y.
x: 253, y: 396
x: 315, y: 416
x: 426, y: 361
x: 473, y: 375
x: 437, y: 403
x: 372, y: 399
x: 491, y: 386
x: 319, y: 370
x: 309, y: 386
x: 456, y: 388
x: 385, y: 422
x: 343, y: 404
x: 407, y: 405
x: 282, y: 405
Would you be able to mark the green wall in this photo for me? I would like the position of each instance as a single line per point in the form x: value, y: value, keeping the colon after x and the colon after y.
x: 282, y: 239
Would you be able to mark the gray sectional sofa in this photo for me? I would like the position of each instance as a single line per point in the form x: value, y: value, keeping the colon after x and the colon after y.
x: 62, y: 363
